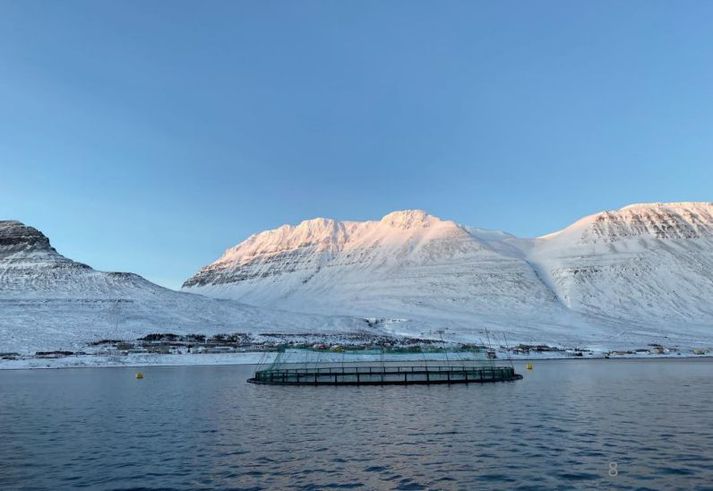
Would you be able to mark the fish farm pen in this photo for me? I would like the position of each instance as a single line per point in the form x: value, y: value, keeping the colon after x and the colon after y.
x: 382, y: 367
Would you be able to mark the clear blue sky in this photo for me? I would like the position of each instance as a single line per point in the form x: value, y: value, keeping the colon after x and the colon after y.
x: 149, y: 136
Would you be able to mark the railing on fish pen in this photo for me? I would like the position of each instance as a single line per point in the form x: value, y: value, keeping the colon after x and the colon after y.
x: 381, y: 366
x: 383, y: 375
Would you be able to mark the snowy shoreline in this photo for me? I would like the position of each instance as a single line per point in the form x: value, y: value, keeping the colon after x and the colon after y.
x: 256, y: 358
x: 138, y: 360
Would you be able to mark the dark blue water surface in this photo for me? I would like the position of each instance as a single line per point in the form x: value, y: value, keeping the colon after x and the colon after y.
x: 568, y: 424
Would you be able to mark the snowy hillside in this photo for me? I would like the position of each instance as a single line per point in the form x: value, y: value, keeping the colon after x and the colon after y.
x: 408, y: 265
x: 623, y: 278
x: 50, y: 302
x: 640, y: 273
x: 648, y: 264
x: 408, y: 262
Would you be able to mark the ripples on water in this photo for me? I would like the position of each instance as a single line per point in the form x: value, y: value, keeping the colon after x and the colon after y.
x: 568, y: 424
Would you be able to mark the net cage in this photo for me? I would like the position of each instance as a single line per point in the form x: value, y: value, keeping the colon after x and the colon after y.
x: 381, y: 366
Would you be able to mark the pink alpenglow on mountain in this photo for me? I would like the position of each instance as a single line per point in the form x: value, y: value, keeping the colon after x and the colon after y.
x: 643, y: 270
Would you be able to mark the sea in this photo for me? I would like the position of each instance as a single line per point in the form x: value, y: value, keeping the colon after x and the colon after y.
x: 568, y: 424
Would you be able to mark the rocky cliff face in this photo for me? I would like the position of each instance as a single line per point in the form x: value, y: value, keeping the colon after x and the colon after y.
x: 28, y: 263
x: 16, y: 237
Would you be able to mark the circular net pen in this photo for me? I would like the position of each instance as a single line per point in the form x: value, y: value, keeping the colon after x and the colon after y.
x: 383, y: 367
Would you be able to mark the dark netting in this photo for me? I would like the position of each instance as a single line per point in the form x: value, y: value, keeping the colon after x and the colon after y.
x: 413, y: 365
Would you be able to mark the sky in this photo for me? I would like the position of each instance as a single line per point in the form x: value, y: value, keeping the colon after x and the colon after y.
x: 149, y: 136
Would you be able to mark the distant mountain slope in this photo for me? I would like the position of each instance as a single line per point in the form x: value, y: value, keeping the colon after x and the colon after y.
x: 407, y: 261
x: 49, y: 302
x: 645, y: 263
x: 409, y: 265
x: 642, y: 271
x: 625, y: 278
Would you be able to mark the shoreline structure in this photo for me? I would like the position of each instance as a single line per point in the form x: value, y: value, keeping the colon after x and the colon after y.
x: 258, y: 358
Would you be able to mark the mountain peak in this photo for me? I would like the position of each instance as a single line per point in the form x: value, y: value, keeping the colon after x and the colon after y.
x: 676, y: 205
x: 678, y: 220
x: 325, y: 233
x: 315, y: 225
x: 312, y: 245
x: 406, y: 219
x: 15, y: 236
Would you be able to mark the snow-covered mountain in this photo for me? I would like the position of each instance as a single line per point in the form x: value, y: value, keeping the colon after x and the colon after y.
x: 411, y: 265
x: 48, y: 301
x: 645, y: 264
x: 408, y: 261
x: 627, y: 277
x: 642, y: 271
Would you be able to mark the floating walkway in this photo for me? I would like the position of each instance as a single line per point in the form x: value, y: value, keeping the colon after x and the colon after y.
x: 370, y: 370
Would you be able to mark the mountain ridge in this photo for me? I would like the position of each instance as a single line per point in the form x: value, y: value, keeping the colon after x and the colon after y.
x: 49, y: 301
x: 627, y: 277
x: 610, y: 268
x: 665, y: 220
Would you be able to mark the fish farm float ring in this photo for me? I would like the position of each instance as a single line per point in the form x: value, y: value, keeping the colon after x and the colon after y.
x: 378, y: 367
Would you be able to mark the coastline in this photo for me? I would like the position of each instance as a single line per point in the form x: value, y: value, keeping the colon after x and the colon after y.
x: 257, y: 358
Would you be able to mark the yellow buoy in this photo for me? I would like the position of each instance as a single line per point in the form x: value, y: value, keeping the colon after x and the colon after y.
x: 139, y: 375
x: 529, y: 366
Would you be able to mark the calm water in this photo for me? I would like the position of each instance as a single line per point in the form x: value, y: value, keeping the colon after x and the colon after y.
x: 568, y: 424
